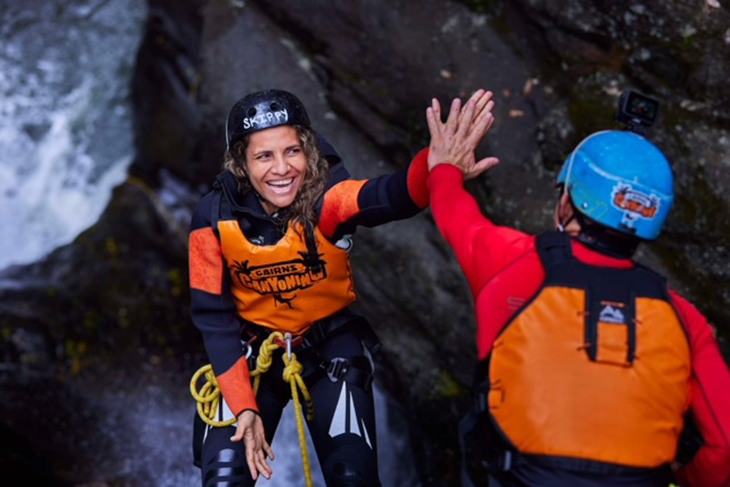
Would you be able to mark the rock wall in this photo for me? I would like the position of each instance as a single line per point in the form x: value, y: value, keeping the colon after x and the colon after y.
x: 366, y: 72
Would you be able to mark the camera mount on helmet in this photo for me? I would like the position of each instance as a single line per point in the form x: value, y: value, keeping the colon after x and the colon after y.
x: 636, y: 111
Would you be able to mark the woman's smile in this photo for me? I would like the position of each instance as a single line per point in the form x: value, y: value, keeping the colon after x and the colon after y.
x: 276, y: 166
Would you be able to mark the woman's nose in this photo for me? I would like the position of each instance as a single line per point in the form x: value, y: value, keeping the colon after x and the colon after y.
x: 281, y: 165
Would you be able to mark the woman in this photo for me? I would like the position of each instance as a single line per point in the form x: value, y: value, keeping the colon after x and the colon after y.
x: 269, y: 252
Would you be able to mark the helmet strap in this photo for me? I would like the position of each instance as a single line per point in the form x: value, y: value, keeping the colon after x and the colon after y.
x: 562, y: 225
x: 604, y: 240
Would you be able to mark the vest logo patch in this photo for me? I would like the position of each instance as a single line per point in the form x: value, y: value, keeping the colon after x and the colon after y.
x: 611, y: 313
x: 635, y: 204
x: 282, y: 277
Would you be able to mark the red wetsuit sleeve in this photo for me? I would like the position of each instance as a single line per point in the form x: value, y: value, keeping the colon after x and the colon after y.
x: 710, y: 402
x: 214, y: 313
x: 418, y: 179
x: 482, y: 248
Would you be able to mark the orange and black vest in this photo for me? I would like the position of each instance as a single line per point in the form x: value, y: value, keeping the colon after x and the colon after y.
x: 286, y: 286
x: 595, y: 369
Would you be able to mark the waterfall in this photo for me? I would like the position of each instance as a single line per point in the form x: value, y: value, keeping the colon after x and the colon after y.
x: 151, y: 428
x: 65, y: 117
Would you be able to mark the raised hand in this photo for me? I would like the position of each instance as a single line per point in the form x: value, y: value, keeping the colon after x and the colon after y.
x: 455, y: 141
x: 250, y: 429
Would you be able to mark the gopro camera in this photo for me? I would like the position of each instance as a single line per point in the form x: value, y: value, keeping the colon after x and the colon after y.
x: 637, y: 111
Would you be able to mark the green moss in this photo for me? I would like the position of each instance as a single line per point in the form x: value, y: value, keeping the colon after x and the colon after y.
x: 75, y: 352
x: 590, y: 110
x: 177, y: 281
x: 447, y: 387
x: 701, y: 214
x: 483, y: 6
x: 91, y: 320
x: 111, y: 247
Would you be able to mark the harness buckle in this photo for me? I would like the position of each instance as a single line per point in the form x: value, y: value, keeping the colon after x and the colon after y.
x: 289, y: 341
x: 337, y: 368
x: 287, y: 337
x: 247, y: 349
x: 505, y: 460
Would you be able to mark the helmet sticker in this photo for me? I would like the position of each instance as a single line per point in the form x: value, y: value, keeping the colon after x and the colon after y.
x: 635, y: 204
x: 280, y: 116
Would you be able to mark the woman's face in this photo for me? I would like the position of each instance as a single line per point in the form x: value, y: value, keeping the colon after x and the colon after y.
x: 276, y: 166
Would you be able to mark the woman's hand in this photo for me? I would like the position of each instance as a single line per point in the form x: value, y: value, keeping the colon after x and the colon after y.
x: 250, y: 429
x: 455, y: 141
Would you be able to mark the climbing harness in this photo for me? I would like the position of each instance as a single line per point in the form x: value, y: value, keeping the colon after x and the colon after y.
x: 209, y: 396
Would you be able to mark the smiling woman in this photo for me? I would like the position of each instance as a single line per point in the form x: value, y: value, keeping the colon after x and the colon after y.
x: 268, y: 257
x: 276, y: 166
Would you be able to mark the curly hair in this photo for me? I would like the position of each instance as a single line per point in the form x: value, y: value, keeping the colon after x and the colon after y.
x: 303, y: 209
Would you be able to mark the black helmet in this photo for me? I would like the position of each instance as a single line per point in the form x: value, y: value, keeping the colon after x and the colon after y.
x: 263, y: 110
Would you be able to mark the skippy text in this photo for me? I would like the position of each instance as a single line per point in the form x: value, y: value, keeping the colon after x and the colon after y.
x: 266, y: 118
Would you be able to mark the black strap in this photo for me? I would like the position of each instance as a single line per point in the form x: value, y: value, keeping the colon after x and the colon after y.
x: 466, y: 426
x: 222, y: 209
x: 553, y: 248
x: 340, y: 321
x: 357, y: 371
x: 496, y: 457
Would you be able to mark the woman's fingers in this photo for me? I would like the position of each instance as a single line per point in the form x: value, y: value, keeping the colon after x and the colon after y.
x: 238, y: 435
x: 478, y: 129
x: 261, y: 464
x: 256, y: 451
x: 452, y: 121
x: 482, y: 166
x: 433, y: 128
x: 251, y: 461
x: 484, y: 102
x: 436, y: 109
x: 477, y: 95
x: 268, y: 450
x: 465, y: 124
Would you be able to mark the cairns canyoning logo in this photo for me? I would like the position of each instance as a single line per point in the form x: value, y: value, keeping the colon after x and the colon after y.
x: 282, y: 278
x: 635, y: 204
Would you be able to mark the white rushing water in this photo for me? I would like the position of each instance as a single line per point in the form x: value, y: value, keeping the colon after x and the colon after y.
x: 151, y: 430
x: 65, y: 117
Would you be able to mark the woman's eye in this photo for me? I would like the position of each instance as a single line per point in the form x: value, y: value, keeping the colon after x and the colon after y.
x: 295, y: 150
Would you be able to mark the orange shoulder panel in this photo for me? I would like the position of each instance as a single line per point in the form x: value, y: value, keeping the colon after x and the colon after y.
x: 340, y: 204
x: 206, y: 261
x: 235, y: 385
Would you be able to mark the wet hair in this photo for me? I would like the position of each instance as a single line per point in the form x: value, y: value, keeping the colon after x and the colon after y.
x: 303, y: 210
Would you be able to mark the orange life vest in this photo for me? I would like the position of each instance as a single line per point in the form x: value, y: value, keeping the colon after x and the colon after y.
x: 284, y: 286
x: 596, y: 367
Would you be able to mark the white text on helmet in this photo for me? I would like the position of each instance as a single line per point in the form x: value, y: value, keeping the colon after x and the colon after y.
x: 279, y: 116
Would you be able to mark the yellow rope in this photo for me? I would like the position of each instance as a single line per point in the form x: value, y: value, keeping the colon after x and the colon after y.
x: 209, y: 396
x: 292, y: 375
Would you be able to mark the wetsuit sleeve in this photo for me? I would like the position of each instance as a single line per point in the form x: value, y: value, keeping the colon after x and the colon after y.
x: 214, y: 313
x: 710, y: 402
x: 482, y: 248
x: 376, y: 201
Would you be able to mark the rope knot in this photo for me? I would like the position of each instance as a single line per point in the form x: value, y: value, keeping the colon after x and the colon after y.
x: 292, y: 369
x: 209, y: 396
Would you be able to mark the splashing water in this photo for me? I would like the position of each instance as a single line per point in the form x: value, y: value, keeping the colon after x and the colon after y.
x: 65, y: 117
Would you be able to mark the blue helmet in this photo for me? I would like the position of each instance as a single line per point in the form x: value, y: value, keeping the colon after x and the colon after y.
x: 620, y: 180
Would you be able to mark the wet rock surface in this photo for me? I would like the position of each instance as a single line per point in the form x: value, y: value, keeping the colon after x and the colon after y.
x: 99, y: 331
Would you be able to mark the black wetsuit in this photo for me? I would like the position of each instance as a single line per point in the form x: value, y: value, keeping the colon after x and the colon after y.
x: 337, y: 367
